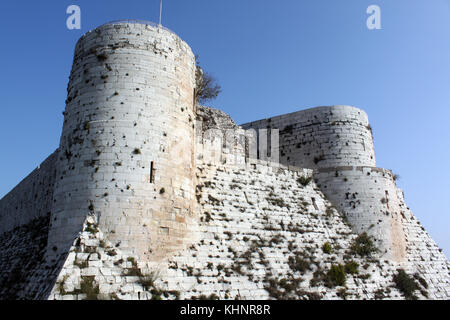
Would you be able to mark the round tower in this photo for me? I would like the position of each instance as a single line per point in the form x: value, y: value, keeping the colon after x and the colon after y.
x: 322, y: 137
x: 126, y: 149
x: 368, y: 198
x: 335, y: 136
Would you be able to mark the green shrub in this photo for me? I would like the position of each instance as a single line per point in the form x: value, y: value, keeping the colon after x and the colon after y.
x: 304, y: 181
x: 405, y: 284
x: 298, y: 264
x: 147, y: 281
x: 363, y: 245
x: 336, y: 276
x: 351, y: 267
x: 156, y: 295
x: 89, y: 288
x: 91, y: 228
x: 327, y: 248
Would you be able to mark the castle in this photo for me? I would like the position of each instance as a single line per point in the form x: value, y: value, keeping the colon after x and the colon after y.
x: 151, y: 195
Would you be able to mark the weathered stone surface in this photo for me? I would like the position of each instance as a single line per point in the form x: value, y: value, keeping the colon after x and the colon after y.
x: 127, y: 136
x: 150, y: 196
x: 214, y: 119
x: 31, y: 198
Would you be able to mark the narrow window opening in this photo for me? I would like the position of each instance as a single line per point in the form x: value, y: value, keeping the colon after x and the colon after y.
x: 152, y: 173
x: 314, y: 203
x: 387, y: 198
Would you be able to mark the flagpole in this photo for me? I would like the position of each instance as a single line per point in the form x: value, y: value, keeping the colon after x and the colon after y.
x: 160, y: 12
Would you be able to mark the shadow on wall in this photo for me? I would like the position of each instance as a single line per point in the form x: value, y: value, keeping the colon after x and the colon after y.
x: 22, y: 252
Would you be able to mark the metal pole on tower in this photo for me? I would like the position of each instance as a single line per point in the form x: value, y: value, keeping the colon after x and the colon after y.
x: 160, y: 11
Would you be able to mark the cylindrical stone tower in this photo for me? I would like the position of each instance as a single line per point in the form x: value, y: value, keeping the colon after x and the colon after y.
x: 322, y: 137
x: 367, y: 197
x: 126, y: 150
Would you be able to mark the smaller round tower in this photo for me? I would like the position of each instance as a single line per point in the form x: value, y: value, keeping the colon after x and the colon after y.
x: 322, y: 137
x: 367, y: 197
x: 126, y: 152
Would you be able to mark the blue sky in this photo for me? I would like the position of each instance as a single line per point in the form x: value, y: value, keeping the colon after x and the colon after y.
x: 271, y: 57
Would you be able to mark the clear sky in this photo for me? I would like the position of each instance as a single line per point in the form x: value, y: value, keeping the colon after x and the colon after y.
x: 271, y: 57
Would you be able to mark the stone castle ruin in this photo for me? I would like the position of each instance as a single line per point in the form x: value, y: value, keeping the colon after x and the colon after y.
x: 150, y: 195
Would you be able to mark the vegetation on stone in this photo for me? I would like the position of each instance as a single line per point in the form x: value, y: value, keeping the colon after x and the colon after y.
x: 363, y: 245
x: 206, y: 87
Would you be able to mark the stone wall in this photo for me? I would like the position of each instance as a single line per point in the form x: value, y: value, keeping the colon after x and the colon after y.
x: 423, y: 255
x: 22, y: 262
x: 31, y: 198
x: 262, y: 234
x: 220, y: 140
x: 127, y: 145
x: 258, y: 219
x: 322, y: 137
x: 211, y: 118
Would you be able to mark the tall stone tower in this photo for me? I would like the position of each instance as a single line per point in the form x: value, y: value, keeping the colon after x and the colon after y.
x: 126, y: 149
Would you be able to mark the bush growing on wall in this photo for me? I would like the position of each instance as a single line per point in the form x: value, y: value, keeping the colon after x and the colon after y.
x: 206, y: 86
